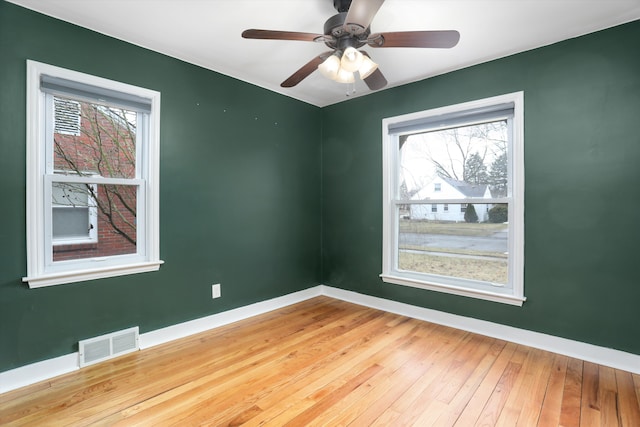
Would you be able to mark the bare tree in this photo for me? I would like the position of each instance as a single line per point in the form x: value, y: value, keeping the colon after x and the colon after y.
x: 105, y: 147
x: 467, y: 151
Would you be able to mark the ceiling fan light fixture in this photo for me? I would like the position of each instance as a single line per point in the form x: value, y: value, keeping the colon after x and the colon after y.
x: 344, y: 76
x: 330, y: 67
x: 351, y: 59
x: 367, y: 67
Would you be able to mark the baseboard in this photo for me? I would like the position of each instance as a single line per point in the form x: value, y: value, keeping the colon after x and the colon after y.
x: 579, y: 350
x: 47, y: 369
x: 181, y: 330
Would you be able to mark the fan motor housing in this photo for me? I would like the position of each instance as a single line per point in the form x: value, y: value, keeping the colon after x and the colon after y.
x: 334, y: 27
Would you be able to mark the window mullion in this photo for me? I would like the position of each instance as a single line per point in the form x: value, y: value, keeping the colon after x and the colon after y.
x: 94, y: 180
x: 500, y: 200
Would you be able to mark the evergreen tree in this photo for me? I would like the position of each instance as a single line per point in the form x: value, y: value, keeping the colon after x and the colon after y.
x: 499, y: 214
x: 498, y: 176
x: 470, y: 214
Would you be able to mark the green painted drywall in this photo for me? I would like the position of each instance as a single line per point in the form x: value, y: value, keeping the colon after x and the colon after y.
x: 239, y: 194
x: 582, y: 201
x: 241, y: 198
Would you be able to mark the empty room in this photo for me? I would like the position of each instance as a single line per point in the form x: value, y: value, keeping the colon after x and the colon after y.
x: 319, y: 212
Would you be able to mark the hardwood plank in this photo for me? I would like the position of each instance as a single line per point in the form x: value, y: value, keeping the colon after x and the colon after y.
x: 532, y: 404
x: 590, y: 404
x: 299, y: 370
x: 441, y: 391
x: 628, y: 410
x: 240, y: 375
x: 491, y: 411
x: 519, y: 391
x: 329, y: 400
x: 571, y: 398
x: 478, y: 401
x: 385, y: 392
x: 454, y: 409
x: 109, y: 388
x: 402, y: 366
x: 369, y: 350
x: 552, y: 403
x: 325, y: 362
x: 608, y: 396
x: 636, y: 382
x: 413, y: 401
x: 525, y: 399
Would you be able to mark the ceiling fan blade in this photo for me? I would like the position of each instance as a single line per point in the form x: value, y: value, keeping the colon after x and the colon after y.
x: 360, y: 15
x: 375, y: 80
x: 305, y: 70
x: 283, y: 35
x: 430, y: 39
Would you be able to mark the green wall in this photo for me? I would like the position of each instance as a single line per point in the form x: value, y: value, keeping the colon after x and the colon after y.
x: 582, y: 198
x: 268, y: 195
x: 239, y: 195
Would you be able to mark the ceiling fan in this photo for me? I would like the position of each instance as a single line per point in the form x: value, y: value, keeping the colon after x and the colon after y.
x: 345, y: 33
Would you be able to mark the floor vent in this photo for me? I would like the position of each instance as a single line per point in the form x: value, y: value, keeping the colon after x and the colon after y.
x: 104, y: 347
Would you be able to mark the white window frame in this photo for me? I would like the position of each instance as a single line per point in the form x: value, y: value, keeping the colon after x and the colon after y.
x: 513, y: 293
x: 41, y: 270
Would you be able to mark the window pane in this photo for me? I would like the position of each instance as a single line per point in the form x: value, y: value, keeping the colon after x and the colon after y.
x: 458, y: 163
x: 114, y: 208
x: 71, y: 213
x: 71, y: 223
x: 471, y: 244
x: 105, y: 144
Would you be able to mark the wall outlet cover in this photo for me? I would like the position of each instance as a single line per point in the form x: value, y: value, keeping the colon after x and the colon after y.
x: 215, y: 291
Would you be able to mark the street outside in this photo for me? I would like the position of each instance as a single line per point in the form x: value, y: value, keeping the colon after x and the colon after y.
x: 496, y: 243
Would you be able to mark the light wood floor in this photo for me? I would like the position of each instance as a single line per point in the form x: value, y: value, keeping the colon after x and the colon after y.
x: 325, y: 362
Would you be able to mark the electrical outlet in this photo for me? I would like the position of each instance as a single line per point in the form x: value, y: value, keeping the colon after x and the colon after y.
x: 215, y: 290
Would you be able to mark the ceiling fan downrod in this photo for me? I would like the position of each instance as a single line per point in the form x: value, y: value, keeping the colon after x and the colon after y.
x: 341, y: 5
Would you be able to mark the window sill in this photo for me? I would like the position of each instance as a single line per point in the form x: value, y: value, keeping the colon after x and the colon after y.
x: 455, y: 290
x: 90, y: 274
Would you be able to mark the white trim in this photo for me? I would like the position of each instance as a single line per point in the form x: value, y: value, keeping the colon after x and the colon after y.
x: 456, y: 290
x: 181, y: 330
x: 40, y: 371
x: 592, y: 353
x: 90, y: 274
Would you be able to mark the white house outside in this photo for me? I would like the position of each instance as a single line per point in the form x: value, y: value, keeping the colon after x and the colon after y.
x: 447, y: 189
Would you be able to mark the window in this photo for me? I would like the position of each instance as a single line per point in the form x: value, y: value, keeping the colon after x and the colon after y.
x: 469, y: 158
x: 434, y: 208
x: 92, y: 177
x: 67, y: 116
x: 73, y: 214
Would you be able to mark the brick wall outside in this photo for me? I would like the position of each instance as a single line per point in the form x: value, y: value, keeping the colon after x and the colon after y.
x: 102, y: 138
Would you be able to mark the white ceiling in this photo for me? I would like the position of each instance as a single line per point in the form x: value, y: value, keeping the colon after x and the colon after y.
x: 207, y: 33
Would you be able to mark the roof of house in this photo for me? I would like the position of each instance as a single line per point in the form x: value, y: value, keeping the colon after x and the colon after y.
x: 467, y: 189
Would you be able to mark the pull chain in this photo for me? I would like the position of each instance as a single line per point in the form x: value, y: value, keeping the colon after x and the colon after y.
x: 351, y: 89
